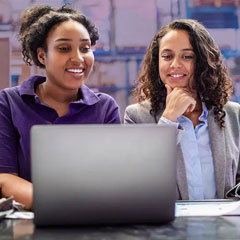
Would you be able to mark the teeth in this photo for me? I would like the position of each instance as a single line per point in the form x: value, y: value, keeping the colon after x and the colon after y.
x: 75, y: 70
x: 176, y: 75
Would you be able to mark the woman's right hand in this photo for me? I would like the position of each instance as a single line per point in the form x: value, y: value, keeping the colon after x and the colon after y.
x: 19, y: 188
x: 179, y: 101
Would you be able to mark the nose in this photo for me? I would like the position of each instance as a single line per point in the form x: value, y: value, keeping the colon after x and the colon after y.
x: 77, y: 56
x: 176, y: 63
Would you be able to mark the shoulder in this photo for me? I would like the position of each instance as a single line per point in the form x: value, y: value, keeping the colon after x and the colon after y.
x: 106, y: 99
x: 8, y: 93
x: 9, y: 90
x: 232, y: 117
x: 27, y: 87
x: 232, y: 110
x: 108, y: 108
x: 139, y: 108
x: 95, y: 98
x: 139, y: 113
x: 9, y: 100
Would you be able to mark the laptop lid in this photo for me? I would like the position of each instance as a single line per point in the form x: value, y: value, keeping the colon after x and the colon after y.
x: 103, y: 174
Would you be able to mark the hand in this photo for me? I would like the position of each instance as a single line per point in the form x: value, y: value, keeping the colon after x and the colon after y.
x: 19, y: 188
x: 179, y: 101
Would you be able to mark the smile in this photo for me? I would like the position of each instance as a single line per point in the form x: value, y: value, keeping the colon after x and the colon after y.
x: 176, y: 75
x: 75, y: 70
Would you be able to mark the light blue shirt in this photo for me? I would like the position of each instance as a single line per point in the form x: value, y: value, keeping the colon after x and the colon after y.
x: 197, y: 154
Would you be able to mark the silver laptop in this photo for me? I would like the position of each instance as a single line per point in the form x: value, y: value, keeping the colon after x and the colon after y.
x: 103, y: 174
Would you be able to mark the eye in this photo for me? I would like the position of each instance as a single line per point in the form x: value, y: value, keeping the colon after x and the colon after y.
x: 167, y: 57
x: 188, y: 57
x: 63, y: 48
x: 85, y: 49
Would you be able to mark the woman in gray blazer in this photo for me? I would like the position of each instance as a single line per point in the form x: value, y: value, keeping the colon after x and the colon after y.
x: 183, y: 82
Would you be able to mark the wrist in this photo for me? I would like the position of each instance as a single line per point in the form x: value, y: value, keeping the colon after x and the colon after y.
x: 2, y: 182
x: 169, y: 117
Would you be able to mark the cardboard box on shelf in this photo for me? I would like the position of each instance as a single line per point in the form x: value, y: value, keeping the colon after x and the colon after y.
x: 216, y: 3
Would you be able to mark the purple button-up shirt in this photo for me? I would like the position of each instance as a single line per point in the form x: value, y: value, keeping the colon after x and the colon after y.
x: 20, y: 109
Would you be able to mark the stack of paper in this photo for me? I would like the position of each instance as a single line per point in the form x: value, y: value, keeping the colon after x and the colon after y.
x: 207, y: 208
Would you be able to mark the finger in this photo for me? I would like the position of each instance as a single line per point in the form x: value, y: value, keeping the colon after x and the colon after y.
x: 186, y: 91
x: 188, y: 109
x: 169, y: 89
x: 192, y: 106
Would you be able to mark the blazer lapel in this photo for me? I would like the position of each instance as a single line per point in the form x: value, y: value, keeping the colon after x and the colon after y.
x: 217, y: 140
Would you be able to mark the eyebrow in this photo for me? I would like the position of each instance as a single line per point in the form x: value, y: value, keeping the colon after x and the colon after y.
x: 69, y: 40
x: 170, y: 50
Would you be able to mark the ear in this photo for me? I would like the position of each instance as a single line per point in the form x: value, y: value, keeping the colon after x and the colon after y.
x: 41, y: 55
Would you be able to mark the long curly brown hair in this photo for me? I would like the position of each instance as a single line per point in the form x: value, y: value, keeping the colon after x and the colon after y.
x: 211, y: 79
x: 38, y: 20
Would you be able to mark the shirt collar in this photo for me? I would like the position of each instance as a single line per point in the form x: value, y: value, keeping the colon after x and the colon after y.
x: 29, y: 85
x: 89, y: 97
x: 28, y: 88
x: 204, y: 114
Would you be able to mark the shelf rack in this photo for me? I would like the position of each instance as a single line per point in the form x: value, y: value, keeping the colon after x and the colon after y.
x: 212, y: 17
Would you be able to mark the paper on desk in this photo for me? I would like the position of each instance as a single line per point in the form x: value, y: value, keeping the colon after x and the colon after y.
x: 13, y: 210
x: 20, y: 215
x: 20, y: 212
x: 207, y: 208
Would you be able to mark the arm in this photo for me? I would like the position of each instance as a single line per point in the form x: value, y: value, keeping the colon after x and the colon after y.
x: 178, y: 101
x: 138, y: 113
x: 10, y: 184
x: 112, y: 113
x: 238, y: 169
x: 180, y: 130
x: 128, y: 117
x: 234, y: 192
x: 17, y: 187
x: 232, y: 135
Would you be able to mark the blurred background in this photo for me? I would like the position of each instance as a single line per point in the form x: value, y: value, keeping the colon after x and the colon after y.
x: 126, y: 28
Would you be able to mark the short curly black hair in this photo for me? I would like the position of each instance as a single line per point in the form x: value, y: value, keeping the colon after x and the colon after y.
x: 211, y: 78
x: 38, y: 20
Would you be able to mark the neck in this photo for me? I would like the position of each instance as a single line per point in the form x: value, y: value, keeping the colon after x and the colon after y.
x: 195, y: 114
x: 48, y: 92
x: 198, y: 107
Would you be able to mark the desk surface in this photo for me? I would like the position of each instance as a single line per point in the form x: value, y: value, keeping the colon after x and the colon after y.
x: 190, y: 228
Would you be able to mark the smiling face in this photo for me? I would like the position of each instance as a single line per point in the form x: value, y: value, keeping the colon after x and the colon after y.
x: 176, y: 59
x: 69, y: 58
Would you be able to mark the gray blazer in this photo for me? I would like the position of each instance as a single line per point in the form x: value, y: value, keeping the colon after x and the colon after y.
x: 225, y: 145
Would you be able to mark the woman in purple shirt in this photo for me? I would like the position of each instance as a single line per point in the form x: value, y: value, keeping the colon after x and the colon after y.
x: 60, y: 41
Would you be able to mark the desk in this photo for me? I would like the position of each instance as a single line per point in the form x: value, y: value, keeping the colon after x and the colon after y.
x: 190, y: 228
